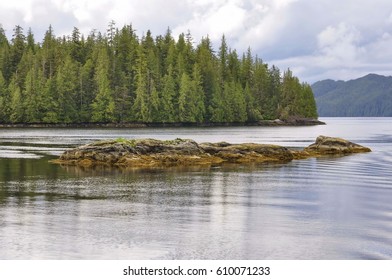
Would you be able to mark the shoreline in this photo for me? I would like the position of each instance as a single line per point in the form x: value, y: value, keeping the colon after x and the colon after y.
x: 277, y: 122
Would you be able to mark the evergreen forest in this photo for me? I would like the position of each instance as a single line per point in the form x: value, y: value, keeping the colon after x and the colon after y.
x: 117, y: 77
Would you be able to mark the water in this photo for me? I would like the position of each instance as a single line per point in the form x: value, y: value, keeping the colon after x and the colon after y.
x: 328, y: 208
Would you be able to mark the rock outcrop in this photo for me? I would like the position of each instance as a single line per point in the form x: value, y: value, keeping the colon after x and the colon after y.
x: 325, y: 145
x: 185, y: 152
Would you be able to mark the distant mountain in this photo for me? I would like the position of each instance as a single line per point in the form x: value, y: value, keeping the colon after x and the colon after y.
x: 369, y: 96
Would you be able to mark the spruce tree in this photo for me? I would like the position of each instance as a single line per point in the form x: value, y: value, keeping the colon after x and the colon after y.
x: 88, y: 90
x: 167, y: 107
x: 239, y: 103
x: 49, y: 53
x: 5, y: 58
x: 67, y: 90
x: 185, y: 106
x: 4, y: 100
x: 209, y: 76
x: 17, y: 112
x: 50, y: 111
x: 32, y: 93
x: 103, y: 105
x: 140, y: 106
x: 197, y: 95
x: 17, y: 47
x: 123, y: 81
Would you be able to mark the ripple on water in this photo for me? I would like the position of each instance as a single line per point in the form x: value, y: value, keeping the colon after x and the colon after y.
x: 325, y: 208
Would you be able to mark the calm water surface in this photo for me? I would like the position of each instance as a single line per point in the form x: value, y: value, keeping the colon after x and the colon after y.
x: 329, y: 208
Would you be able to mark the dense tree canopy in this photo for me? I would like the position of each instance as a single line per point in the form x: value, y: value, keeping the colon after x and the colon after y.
x: 118, y: 77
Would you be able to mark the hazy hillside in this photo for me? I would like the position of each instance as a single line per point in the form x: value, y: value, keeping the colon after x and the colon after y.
x: 369, y: 96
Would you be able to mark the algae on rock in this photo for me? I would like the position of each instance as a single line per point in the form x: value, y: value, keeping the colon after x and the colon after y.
x: 185, y: 152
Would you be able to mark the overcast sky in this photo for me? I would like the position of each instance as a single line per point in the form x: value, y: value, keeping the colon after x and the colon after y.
x: 317, y: 39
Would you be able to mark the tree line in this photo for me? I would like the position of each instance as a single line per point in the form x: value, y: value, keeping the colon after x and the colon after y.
x: 118, y: 77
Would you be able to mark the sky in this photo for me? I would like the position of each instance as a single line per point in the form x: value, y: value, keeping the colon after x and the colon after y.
x: 316, y: 39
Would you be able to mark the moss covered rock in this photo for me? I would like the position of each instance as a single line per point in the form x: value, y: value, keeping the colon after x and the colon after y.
x: 185, y: 152
x: 325, y: 145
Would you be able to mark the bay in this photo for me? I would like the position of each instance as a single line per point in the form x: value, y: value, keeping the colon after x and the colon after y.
x: 326, y: 208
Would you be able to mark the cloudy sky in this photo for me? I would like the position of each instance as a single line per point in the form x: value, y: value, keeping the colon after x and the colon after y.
x: 317, y: 39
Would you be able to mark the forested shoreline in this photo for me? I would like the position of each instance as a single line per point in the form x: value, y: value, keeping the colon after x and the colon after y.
x: 117, y: 77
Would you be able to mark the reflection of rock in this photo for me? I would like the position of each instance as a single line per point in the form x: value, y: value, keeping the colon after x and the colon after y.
x: 147, y: 153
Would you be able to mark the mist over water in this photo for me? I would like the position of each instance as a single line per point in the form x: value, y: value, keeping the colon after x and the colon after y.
x: 326, y: 208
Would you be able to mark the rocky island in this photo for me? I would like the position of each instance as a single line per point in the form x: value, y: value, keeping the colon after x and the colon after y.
x: 146, y: 153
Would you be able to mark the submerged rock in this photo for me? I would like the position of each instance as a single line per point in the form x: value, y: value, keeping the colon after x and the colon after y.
x: 185, y: 152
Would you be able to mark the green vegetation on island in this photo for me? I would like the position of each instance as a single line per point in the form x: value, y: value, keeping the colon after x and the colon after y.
x: 117, y: 77
x: 368, y: 96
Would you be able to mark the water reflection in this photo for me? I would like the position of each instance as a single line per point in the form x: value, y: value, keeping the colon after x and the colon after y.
x: 254, y: 213
x: 326, y: 208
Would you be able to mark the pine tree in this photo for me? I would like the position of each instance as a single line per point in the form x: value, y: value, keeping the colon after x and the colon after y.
x: 49, y: 49
x: 272, y: 104
x: 32, y: 93
x: 308, y: 103
x: 209, y: 79
x: 185, y: 106
x: 111, y: 31
x: 247, y: 71
x: 191, y: 100
x: 76, y: 45
x: 181, y: 66
x: 67, y: 89
x: 88, y: 90
x: 124, y: 77
x: 5, y: 59
x: 217, y: 108
x: 17, y: 47
x: 50, y: 111
x: 33, y: 85
x: 295, y: 97
x: 223, y: 61
x: 227, y: 100
x: 233, y: 65
x: 167, y: 98
x: 154, y: 102
x: 103, y: 106
x: 17, y: 109
x: 252, y: 111
x: 30, y: 41
x: 238, y: 103
x: 4, y: 100
x: 197, y: 95
x: 166, y: 49
x: 140, y: 106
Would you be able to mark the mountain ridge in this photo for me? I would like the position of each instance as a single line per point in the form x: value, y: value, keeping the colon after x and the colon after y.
x: 367, y: 96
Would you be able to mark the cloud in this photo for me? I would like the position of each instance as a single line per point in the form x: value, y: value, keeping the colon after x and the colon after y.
x: 340, y: 44
x: 316, y: 39
x: 342, y: 53
x: 330, y: 42
x: 213, y: 18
